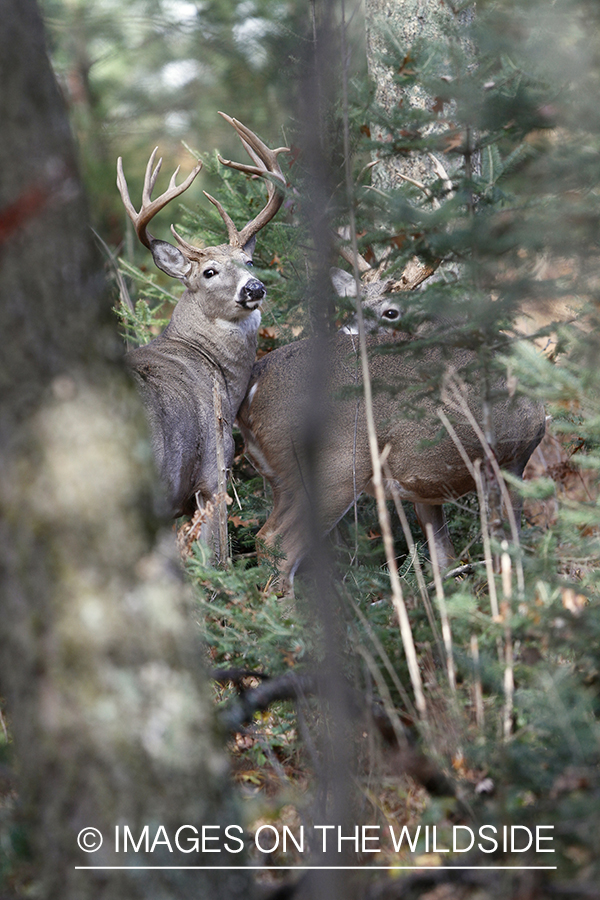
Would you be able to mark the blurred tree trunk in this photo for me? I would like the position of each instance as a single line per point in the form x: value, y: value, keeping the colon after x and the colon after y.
x: 111, y: 715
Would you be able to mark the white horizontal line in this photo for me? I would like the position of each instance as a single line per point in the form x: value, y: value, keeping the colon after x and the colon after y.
x: 316, y: 868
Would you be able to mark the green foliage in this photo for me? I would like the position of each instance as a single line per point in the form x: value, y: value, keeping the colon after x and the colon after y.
x: 243, y: 624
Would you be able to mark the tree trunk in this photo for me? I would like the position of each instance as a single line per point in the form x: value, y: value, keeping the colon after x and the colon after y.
x: 408, y: 21
x: 112, y: 718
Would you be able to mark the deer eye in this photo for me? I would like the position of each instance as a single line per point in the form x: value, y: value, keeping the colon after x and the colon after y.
x: 210, y: 273
x: 249, y: 263
x: 391, y: 314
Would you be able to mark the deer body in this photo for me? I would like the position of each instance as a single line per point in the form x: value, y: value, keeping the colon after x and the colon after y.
x: 424, y: 463
x: 212, y: 335
x: 210, y: 341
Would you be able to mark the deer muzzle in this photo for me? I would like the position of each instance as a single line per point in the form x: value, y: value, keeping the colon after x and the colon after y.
x: 252, y: 294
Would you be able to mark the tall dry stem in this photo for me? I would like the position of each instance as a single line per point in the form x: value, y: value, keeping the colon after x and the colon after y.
x: 377, y: 481
x: 509, y: 677
x: 222, y: 476
x: 441, y: 601
x: 477, y: 689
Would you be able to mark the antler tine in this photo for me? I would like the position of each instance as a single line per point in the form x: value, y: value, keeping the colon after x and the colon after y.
x: 149, y: 207
x: 234, y: 235
x: 346, y: 252
x: 266, y: 164
x: 414, y: 273
x: 150, y: 178
x: 263, y: 156
x: 124, y: 192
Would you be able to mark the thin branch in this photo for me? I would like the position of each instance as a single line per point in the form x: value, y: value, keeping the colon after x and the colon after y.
x: 221, y: 475
x: 477, y: 690
x: 457, y: 397
x: 509, y: 675
x: 441, y: 600
x: 414, y: 556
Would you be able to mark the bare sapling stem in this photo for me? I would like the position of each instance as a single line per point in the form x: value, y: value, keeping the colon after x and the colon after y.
x: 456, y: 441
x: 403, y: 694
x: 377, y: 481
x: 509, y: 676
x: 487, y: 546
x: 414, y: 556
x: 456, y: 397
x: 477, y: 690
x: 222, y: 549
x: 475, y: 472
x: 441, y: 601
x: 490, y: 482
x: 386, y: 697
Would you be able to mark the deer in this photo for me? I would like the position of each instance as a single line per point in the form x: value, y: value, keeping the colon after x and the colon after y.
x: 424, y: 463
x: 211, y: 337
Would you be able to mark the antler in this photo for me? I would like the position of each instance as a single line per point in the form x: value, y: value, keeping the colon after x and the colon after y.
x: 150, y: 207
x: 345, y: 251
x: 266, y: 164
x: 414, y: 273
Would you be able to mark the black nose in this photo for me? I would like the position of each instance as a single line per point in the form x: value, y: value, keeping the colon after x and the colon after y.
x: 253, y: 291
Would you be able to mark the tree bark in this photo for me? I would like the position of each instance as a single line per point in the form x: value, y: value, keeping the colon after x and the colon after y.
x: 408, y: 21
x: 110, y: 711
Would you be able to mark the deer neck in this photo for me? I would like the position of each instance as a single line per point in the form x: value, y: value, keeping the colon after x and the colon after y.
x: 229, y: 346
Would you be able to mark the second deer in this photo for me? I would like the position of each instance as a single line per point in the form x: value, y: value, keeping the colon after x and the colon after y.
x: 426, y: 466
x: 212, y: 333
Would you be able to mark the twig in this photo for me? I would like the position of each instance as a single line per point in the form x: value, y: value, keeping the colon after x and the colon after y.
x: 509, y: 676
x: 479, y: 717
x: 384, y: 657
x: 487, y: 548
x: 123, y: 292
x: 441, y: 600
x: 454, y: 387
x: 223, y: 554
x: 385, y: 695
x: 474, y: 471
x: 414, y: 556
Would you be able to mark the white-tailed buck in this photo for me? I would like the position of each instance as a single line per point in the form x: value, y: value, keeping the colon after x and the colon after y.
x: 212, y: 332
x: 423, y: 461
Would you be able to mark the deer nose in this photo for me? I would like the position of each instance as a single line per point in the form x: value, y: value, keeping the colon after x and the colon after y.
x: 252, y: 293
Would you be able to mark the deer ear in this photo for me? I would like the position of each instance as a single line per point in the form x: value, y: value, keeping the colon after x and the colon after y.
x: 170, y: 259
x: 249, y: 246
x: 343, y: 282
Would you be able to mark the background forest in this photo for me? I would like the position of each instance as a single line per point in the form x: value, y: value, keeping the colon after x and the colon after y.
x: 467, y: 136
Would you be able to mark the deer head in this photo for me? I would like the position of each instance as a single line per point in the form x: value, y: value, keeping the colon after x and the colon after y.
x: 377, y: 290
x: 216, y: 275
x: 381, y: 308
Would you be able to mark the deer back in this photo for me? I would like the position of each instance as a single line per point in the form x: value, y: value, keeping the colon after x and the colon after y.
x: 423, y: 460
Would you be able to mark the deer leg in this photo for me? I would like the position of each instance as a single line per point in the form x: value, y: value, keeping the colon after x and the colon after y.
x: 434, y: 516
x: 281, y: 536
x: 285, y: 531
